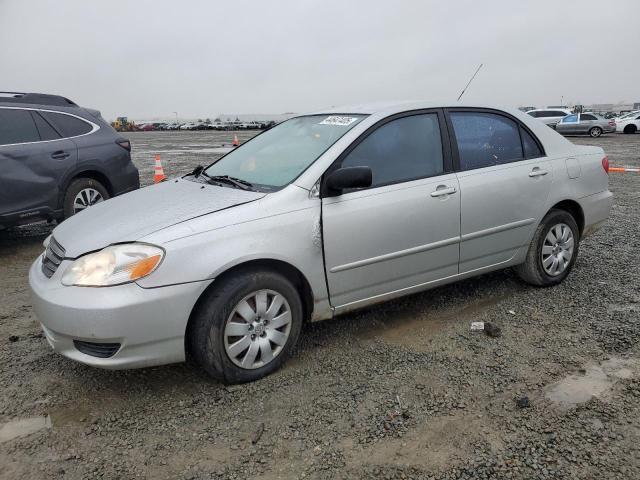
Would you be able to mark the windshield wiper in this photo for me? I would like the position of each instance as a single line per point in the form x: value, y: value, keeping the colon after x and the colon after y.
x: 236, y: 182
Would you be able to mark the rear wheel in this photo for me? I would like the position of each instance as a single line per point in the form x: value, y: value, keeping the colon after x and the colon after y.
x: 630, y: 128
x: 246, y: 327
x: 553, y: 250
x: 83, y: 193
x: 595, y: 132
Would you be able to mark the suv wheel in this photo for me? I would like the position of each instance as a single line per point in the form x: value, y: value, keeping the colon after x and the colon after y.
x: 553, y: 250
x: 81, y: 194
x: 246, y: 327
x: 595, y: 132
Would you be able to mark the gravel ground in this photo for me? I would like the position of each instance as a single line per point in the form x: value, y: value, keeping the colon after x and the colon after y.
x: 400, y: 390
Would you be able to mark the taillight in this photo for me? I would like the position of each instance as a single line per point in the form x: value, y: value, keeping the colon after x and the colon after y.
x: 605, y: 164
x: 126, y: 144
x: 612, y: 123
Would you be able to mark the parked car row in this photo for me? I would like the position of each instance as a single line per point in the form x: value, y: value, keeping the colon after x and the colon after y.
x: 586, y: 123
x: 206, y: 125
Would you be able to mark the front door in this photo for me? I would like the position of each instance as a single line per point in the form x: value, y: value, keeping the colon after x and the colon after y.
x: 403, y: 231
x: 504, y: 183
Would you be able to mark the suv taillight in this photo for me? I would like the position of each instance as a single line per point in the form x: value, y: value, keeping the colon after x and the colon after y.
x: 126, y: 144
x: 605, y: 164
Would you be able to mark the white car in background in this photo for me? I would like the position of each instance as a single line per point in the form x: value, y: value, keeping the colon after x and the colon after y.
x: 629, y: 123
x: 549, y: 116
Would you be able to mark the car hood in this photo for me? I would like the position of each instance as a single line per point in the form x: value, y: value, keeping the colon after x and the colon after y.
x: 134, y: 215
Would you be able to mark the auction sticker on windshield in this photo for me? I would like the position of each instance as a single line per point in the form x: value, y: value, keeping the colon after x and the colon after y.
x: 341, y: 121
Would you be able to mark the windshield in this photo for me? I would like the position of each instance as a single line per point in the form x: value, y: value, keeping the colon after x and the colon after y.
x: 276, y: 157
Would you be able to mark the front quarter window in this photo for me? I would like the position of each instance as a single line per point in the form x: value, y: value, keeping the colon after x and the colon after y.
x: 570, y: 119
x: 278, y: 156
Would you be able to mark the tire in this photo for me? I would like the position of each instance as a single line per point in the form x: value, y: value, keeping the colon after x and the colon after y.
x: 595, y: 132
x: 74, y: 190
x: 209, y: 340
x: 533, y: 271
x: 630, y: 129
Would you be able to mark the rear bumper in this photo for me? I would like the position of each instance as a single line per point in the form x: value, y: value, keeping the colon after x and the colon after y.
x: 596, y: 209
x: 149, y: 324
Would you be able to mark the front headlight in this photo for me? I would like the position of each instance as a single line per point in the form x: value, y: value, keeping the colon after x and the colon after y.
x: 113, y: 265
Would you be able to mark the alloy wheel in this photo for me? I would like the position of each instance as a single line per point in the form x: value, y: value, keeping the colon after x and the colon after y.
x: 257, y: 329
x: 557, y: 249
x: 595, y: 132
x: 85, y: 198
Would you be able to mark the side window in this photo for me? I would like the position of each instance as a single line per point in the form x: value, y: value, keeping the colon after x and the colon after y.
x: 534, y: 114
x: 531, y: 148
x: 570, y: 119
x: 485, y: 139
x: 585, y: 117
x: 46, y: 131
x: 557, y: 114
x: 404, y: 149
x: 67, y: 125
x: 17, y: 126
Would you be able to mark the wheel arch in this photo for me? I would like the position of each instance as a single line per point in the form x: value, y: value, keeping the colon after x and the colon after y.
x: 94, y: 174
x: 572, y: 207
x: 293, y: 274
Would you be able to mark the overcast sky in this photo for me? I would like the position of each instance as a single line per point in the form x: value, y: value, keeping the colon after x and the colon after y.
x: 149, y: 58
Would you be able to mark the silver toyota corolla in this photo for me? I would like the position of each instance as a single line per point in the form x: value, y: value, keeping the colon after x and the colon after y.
x: 320, y: 215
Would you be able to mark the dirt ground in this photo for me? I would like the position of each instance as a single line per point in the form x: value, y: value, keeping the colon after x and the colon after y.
x: 400, y: 390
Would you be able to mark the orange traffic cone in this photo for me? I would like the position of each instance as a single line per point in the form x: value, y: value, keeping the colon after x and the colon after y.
x: 235, y: 141
x: 158, y: 175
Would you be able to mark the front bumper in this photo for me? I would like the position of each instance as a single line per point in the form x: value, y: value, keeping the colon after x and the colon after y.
x: 148, y: 323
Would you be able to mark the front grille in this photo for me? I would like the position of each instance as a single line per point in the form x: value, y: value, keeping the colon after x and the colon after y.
x: 100, y: 350
x: 53, y: 256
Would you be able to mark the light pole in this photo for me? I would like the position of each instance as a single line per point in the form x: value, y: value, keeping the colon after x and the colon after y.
x: 176, y: 114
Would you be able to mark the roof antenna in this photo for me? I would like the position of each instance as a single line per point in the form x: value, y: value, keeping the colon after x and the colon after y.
x: 469, y: 83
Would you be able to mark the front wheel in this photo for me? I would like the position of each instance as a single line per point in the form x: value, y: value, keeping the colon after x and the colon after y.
x: 595, y: 132
x: 553, y: 250
x: 246, y: 327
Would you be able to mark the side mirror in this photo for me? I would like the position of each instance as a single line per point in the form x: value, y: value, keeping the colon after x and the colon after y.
x: 349, y: 177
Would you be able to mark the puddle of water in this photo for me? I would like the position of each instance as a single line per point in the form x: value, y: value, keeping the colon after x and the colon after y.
x: 398, y: 328
x: 22, y: 427
x: 596, y: 381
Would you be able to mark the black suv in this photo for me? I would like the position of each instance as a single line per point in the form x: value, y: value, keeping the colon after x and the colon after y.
x: 57, y: 158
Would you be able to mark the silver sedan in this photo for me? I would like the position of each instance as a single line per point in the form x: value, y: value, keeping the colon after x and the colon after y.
x: 322, y: 214
x: 585, y: 124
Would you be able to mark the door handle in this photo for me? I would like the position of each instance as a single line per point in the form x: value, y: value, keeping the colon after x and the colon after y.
x: 537, y: 172
x: 443, y: 190
x: 60, y: 154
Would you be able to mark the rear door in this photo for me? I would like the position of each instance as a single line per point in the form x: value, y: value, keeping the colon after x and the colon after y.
x: 403, y: 231
x: 33, y: 161
x: 504, y: 182
x: 586, y: 122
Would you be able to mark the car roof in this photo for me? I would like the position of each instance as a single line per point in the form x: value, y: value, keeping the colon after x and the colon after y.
x: 389, y: 108
x: 40, y: 99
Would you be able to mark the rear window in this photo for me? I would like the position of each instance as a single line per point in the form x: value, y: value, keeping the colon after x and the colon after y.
x: 530, y: 146
x: 44, y: 128
x: 67, y: 125
x: 17, y: 126
x: 486, y: 139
